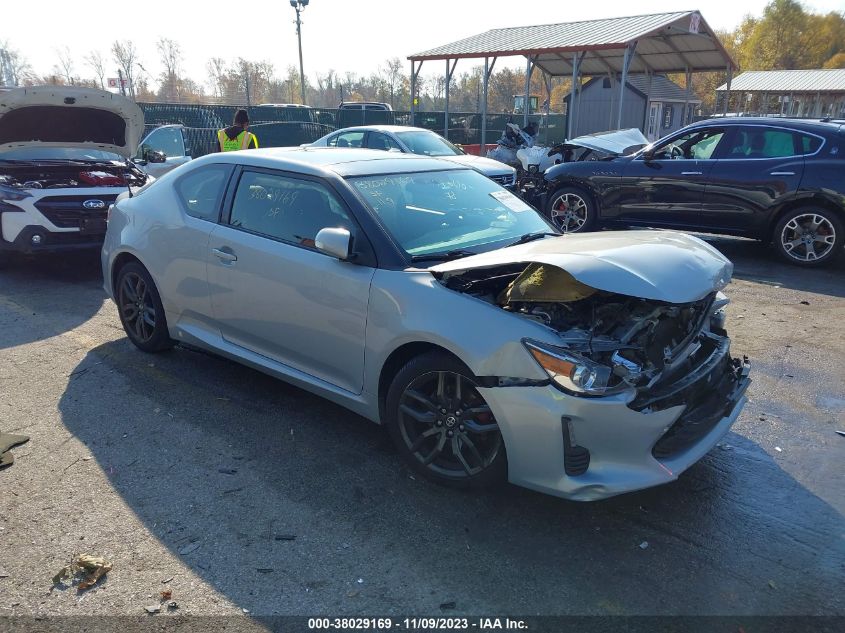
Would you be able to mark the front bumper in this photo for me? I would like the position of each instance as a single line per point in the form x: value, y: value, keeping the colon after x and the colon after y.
x: 628, y: 449
x: 50, y: 241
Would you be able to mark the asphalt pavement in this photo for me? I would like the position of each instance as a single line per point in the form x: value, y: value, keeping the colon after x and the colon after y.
x: 243, y: 495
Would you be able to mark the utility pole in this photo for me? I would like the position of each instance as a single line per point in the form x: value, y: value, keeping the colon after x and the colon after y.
x: 299, y: 6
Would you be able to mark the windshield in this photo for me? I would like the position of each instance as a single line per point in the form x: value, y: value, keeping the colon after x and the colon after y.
x: 438, y: 212
x: 428, y: 143
x: 59, y: 153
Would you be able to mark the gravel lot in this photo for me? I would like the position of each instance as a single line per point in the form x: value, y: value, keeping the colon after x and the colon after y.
x: 187, y: 467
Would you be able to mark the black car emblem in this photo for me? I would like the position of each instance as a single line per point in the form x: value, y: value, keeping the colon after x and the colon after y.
x: 94, y: 204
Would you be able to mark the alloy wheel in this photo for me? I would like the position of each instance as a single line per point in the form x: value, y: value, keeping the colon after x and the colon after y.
x: 569, y: 213
x: 808, y: 237
x: 137, y: 309
x: 447, y: 426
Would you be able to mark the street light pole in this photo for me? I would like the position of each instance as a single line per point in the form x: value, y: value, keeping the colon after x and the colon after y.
x: 299, y: 5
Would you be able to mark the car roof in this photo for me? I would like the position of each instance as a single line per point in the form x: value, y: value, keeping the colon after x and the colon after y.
x: 317, y: 161
x: 382, y: 128
x: 810, y: 125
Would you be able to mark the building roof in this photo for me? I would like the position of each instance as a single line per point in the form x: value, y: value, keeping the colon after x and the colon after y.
x: 665, y: 42
x: 820, y: 80
x: 662, y: 88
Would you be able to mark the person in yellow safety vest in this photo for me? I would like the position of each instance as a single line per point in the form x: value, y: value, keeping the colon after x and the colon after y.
x: 237, y: 136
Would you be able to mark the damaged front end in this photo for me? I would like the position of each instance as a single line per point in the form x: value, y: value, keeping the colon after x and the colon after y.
x: 607, y: 342
x: 652, y: 354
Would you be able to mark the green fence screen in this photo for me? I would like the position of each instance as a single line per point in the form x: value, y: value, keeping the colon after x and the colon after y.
x: 286, y: 127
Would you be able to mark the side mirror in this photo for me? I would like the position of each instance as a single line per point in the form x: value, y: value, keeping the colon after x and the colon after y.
x: 648, y: 155
x: 334, y: 242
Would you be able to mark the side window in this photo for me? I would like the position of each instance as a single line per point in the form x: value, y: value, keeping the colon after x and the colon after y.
x: 201, y: 190
x: 762, y: 142
x: 285, y: 208
x: 349, y: 139
x: 377, y: 140
x: 810, y: 144
x: 699, y: 145
x: 332, y: 142
x: 167, y: 140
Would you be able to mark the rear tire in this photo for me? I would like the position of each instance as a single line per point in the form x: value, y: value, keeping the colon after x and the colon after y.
x: 140, y: 309
x: 809, y: 236
x: 441, y: 425
x: 572, y: 210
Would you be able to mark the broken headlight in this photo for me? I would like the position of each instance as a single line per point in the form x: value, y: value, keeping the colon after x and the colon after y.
x: 572, y: 372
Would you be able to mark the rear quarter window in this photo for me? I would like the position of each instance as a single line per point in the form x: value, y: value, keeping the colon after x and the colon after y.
x: 201, y: 190
x: 809, y: 144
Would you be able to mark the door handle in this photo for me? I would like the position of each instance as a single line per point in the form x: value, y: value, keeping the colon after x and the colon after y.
x: 690, y: 173
x: 782, y: 173
x: 224, y: 256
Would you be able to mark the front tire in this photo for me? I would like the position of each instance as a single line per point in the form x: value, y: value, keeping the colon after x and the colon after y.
x: 809, y: 236
x: 140, y: 309
x: 441, y: 425
x: 572, y: 210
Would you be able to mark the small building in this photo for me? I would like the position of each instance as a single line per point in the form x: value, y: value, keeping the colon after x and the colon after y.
x: 799, y: 93
x: 668, y: 108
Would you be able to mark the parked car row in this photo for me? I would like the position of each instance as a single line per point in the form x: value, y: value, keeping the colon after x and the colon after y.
x: 411, y: 287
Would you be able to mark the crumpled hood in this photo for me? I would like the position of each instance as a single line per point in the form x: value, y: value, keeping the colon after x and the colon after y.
x: 659, y: 265
x: 617, y: 142
x: 480, y: 163
x: 66, y: 116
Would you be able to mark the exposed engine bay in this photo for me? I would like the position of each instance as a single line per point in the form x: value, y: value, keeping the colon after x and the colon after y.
x: 70, y: 174
x: 643, y: 342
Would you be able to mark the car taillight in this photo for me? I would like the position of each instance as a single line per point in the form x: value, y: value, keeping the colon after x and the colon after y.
x: 101, y: 179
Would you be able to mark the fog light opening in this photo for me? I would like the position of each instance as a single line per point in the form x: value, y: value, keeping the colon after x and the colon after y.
x: 576, y: 459
x: 36, y: 239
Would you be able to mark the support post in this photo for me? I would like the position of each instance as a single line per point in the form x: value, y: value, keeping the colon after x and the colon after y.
x: 488, y: 70
x: 649, y: 75
x: 685, y: 120
x: 415, y: 73
x: 626, y: 62
x: 450, y: 68
x: 570, y: 111
x: 526, y: 106
x: 728, y: 90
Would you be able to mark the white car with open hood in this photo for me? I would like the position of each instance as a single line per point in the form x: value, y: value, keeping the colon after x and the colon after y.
x: 64, y: 159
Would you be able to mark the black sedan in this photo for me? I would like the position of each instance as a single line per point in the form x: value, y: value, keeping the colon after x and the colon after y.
x: 776, y: 180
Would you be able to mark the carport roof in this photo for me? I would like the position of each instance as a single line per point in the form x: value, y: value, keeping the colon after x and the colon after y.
x: 820, y: 80
x: 665, y: 43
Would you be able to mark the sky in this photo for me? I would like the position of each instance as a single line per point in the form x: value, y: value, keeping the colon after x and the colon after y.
x: 344, y: 35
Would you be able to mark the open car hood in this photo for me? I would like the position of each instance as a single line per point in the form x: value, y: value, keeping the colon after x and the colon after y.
x: 616, y: 142
x: 658, y: 265
x: 66, y: 116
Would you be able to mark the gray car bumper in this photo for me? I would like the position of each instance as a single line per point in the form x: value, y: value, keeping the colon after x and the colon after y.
x: 627, y: 448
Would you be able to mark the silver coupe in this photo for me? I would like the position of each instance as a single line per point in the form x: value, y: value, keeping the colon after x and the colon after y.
x: 425, y: 297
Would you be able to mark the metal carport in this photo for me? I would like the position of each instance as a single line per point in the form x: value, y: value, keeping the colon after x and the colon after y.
x: 678, y: 42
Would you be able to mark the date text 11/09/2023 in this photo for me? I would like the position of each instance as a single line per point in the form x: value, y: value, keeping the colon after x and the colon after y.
x: 418, y: 624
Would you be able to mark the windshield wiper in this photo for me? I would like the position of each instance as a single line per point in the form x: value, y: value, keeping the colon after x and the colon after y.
x: 443, y: 256
x: 530, y: 237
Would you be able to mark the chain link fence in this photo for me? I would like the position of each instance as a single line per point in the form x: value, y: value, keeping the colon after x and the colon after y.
x: 291, y: 126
